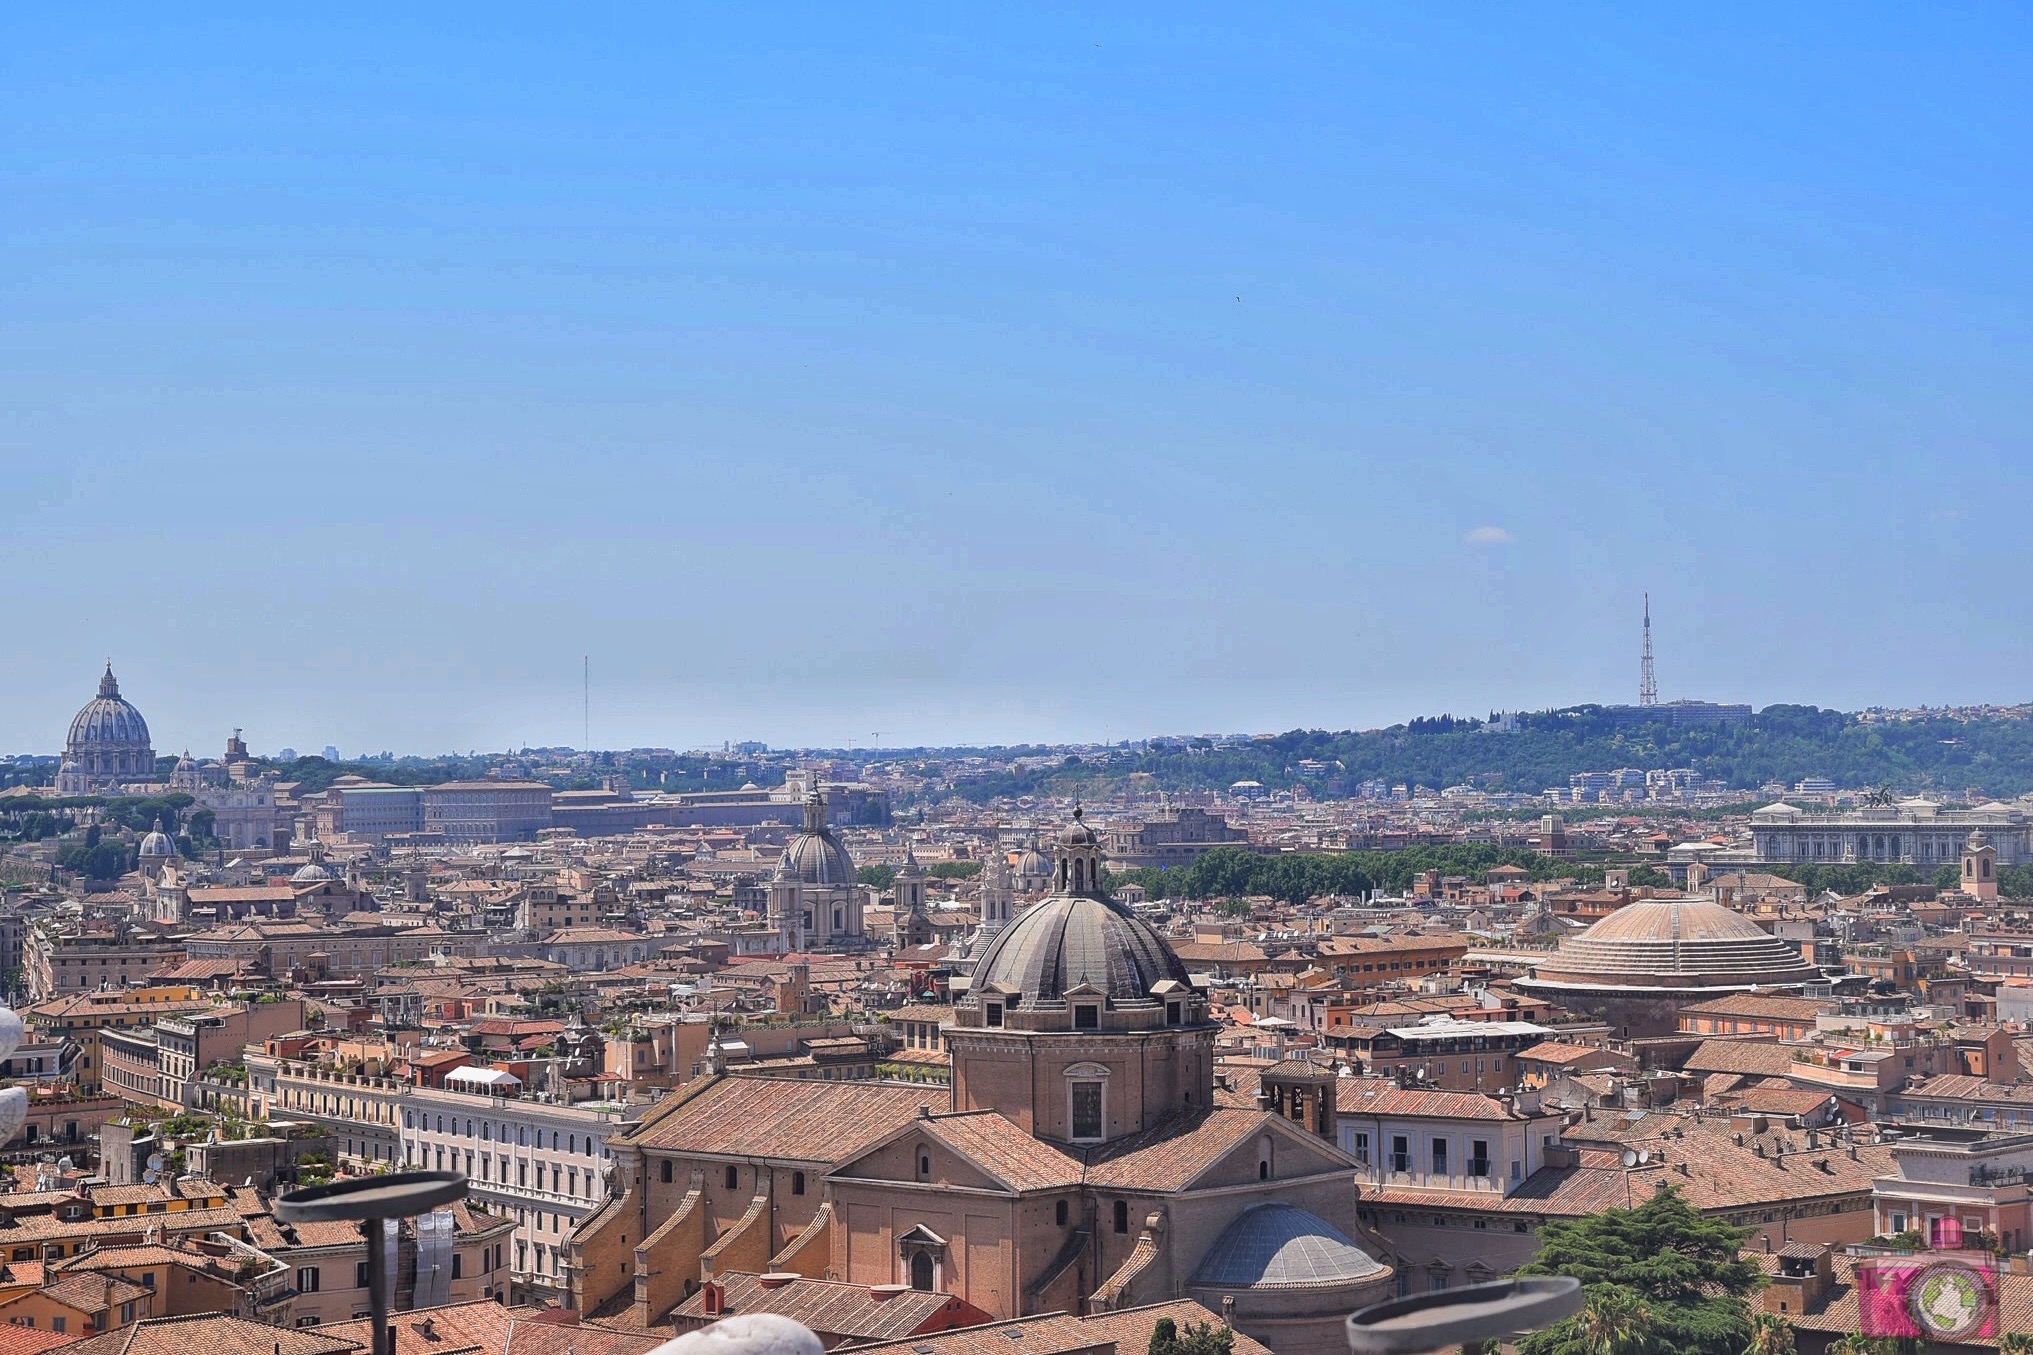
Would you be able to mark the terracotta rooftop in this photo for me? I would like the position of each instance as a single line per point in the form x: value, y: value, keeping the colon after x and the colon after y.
x: 827, y: 1122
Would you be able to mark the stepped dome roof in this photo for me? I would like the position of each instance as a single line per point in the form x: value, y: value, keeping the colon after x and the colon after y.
x: 1682, y: 944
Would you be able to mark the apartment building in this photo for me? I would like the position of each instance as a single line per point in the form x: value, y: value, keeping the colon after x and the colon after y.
x: 542, y: 1164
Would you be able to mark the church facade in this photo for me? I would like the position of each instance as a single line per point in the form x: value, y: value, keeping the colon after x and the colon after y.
x: 1079, y: 1161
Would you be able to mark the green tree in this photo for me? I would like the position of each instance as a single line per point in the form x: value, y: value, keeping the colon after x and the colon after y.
x: 879, y: 876
x: 1614, y: 1321
x: 954, y: 870
x: 1683, y: 1268
x: 1198, y: 1338
x: 2016, y: 1343
x: 1770, y: 1335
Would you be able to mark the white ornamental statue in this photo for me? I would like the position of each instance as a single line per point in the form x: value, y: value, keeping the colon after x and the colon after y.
x: 13, y: 1100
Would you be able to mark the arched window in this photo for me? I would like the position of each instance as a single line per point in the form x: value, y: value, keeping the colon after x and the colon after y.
x: 797, y: 1183
x: 1060, y: 1213
x: 924, y: 1165
x: 922, y: 1271
x: 733, y: 1176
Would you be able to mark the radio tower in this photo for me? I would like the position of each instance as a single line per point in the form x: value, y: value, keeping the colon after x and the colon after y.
x: 1648, y: 681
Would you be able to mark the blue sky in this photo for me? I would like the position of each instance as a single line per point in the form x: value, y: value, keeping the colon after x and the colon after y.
x: 992, y: 373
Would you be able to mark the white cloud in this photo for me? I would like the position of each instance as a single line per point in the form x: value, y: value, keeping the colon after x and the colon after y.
x: 1489, y: 536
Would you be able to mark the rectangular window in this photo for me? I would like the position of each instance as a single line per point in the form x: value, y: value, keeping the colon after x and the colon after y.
x: 1401, y: 1153
x: 1087, y: 1110
x: 1360, y: 1148
x: 1440, y: 1157
x: 994, y: 1017
x: 1478, y: 1157
x: 307, y: 1280
x: 1086, y: 1016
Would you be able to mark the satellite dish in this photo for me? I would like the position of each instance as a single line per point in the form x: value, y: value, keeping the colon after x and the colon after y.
x: 64, y: 1163
x: 1630, y: 1158
x: 149, y: 1178
x: 1644, y: 1156
x: 155, y: 1161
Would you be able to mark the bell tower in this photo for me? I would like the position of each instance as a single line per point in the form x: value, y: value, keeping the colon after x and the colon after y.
x: 1980, y: 868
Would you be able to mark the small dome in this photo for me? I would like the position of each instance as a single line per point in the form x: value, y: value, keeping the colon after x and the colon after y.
x: 1683, y: 944
x: 815, y: 856
x: 1282, y: 1244
x: 1077, y: 833
x: 157, y: 842
x: 311, y: 874
x: 1070, y: 940
x: 1034, y: 863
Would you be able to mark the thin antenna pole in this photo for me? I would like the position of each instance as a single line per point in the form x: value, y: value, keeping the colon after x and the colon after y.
x: 1648, y: 680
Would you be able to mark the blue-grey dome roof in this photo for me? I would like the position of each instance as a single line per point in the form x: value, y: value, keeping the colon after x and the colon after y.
x: 1069, y: 940
x: 816, y: 859
x: 815, y: 856
x: 157, y: 843
x: 1282, y: 1244
x: 107, y: 721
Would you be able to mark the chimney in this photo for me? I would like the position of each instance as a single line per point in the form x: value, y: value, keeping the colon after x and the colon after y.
x: 777, y: 1279
x: 883, y: 1293
x: 712, y: 1299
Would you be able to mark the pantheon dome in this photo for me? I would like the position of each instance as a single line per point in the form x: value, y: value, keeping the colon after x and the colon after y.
x: 108, y: 744
x: 1681, y: 946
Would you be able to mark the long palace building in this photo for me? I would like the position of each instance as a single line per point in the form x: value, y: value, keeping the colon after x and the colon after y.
x: 1917, y: 832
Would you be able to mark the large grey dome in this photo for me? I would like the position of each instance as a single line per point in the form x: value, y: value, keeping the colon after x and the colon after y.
x: 1683, y: 944
x: 1282, y: 1244
x: 107, y: 746
x: 108, y: 721
x: 1068, y: 940
x: 815, y: 856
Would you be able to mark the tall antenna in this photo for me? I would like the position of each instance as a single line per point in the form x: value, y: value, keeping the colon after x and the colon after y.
x: 586, y: 698
x: 1648, y: 681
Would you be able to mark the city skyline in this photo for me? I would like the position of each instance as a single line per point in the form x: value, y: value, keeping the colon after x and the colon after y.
x: 1016, y: 376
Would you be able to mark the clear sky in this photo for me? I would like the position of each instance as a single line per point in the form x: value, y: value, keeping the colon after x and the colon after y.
x: 988, y: 372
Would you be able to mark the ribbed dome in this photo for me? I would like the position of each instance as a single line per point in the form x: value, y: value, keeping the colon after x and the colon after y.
x: 1070, y: 940
x: 816, y: 859
x: 157, y: 842
x: 1282, y: 1244
x: 815, y: 856
x: 1035, y: 864
x: 107, y: 721
x: 312, y: 874
x: 1678, y: 944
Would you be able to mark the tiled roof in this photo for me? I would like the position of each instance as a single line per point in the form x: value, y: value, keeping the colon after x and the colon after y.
x: 1752, y: 1057
x: 457, y: 1326
x: 1014, y: 1157
x: 781, y: 1117
x: 1957, y: 1087
x: 1170, y: 1155
x: 212, y: 1334
x: 829, y: 1307
x: 29, y: 1340
x: 1381, y: 1096
x: 1710, y: 1169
